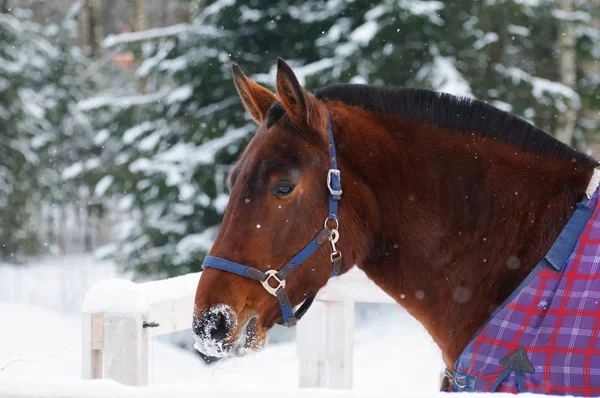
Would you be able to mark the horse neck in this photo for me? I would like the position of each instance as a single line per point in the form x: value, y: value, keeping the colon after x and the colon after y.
x: 459, y: 220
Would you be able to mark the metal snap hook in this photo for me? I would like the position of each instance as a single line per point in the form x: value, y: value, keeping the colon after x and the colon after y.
x: 333, y: 238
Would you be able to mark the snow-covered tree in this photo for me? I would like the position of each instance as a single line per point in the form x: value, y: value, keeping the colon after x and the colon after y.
x: 41, y: 78
x: 166, y: 154
x: 23, y: 59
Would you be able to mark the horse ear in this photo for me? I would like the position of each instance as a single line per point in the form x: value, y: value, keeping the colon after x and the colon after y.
x: 255, y: 97
x: 294, y: 98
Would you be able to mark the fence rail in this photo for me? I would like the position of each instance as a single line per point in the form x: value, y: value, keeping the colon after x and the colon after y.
x: 116, y: 345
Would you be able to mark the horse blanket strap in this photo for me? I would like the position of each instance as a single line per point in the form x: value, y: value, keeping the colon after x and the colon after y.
x: 545, y: 337
x: 274, y: 280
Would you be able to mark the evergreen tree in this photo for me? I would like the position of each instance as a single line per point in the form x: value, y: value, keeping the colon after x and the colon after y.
x: 166, y: 154
x: 23, y: 59
x: 41, y: 77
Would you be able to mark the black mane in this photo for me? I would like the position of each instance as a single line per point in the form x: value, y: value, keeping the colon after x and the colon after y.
x: 457, y: 113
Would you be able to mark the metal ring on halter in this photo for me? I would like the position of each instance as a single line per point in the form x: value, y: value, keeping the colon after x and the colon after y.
x: 337, y: 223
x: 272, y: 273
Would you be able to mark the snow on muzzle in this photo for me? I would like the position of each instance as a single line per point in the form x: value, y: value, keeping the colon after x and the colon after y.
x: 213, y: 328
x: 214, y: 331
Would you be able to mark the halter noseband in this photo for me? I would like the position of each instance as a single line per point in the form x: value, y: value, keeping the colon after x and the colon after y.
x: 290, y: 318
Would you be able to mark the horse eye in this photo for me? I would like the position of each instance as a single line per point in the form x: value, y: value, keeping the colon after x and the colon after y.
x: 284, y: 189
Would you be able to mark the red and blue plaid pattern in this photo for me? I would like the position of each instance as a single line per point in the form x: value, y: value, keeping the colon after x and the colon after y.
x: 554, y: 316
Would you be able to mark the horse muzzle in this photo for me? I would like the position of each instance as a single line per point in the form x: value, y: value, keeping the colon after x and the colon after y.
x: 217, y: 333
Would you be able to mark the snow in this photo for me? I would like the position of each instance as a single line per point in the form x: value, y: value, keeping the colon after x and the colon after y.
x: 529, y: 3
x: 38, y: 344
x: 541, y: 86
x: 151, y: 62
x: 169, y: 289
x: 444, y: 76
x: 177, y: 161
x: 488, y: 38
x: 220, y: 202
x: 54, y: 283
x: 180, y: 94
x: 149, y: 143
x: 110, y: 99
x: 392, y: 351
x: 103, y: 185
x: 73, y: 11
x: 196, y: 242
x: 30, y: 107
x: 156, y: 33
x: 249, y: 14
x: 506, y: 107
x: 306, y: 14
x: 301, y: 71
x: 204, y: 342
x: 209, y: 109
x: 174, y: 65
x: 418, y: 7
x: 133, y: 133
x: 335, y: 32
x: 214, y: 8
x: 115, y: 295
x: 518, y: 30
x: 390, y: 354
x: 579, y: 16
x: 425, y: 8
x: 108, y: 388
x: 365, y: 32
x: 101, y: 137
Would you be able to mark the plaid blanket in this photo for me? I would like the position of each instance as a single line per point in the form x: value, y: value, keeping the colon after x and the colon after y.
x: 544, y: 338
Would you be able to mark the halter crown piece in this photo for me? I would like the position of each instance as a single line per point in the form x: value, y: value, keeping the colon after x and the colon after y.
x: 278, y: 277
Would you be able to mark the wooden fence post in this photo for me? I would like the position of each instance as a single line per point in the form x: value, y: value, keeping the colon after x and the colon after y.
x: 325, y: 340
x: 92, y: 339
x: 126, y: 346
x: 115, y: 343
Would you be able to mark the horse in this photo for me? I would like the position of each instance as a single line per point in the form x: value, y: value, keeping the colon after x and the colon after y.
x: 448, y: 204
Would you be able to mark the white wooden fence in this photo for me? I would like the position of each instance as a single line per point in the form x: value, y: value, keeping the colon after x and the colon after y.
x: 116, y: 345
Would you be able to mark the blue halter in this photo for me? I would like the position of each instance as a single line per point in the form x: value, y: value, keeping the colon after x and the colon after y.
x: 290, y: 318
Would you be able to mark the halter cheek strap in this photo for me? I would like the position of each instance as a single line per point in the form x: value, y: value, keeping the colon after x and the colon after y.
x: 274, y: 280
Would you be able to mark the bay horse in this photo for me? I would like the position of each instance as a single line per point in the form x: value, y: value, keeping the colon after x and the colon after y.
x: 453, y: 207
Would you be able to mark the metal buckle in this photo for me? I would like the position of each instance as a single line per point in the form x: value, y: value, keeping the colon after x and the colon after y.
x: 272, y: 273
x: 329, y: 174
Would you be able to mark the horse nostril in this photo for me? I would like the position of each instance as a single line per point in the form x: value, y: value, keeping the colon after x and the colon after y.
x: 215, y: 324
x: 218, y: 327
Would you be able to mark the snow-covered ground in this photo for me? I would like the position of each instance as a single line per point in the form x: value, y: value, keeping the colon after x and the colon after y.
x: 56, y: 283
x: 392, y: 351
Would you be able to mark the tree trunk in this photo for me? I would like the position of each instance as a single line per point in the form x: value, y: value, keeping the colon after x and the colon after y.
x: 94, y: 27
x: 183, y: 13
x: 109, y: 20
x: 164, y: 13
x: 140, y: 23
x: 4, y: 6
x: 565, y: 129
x: 88, y: 227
